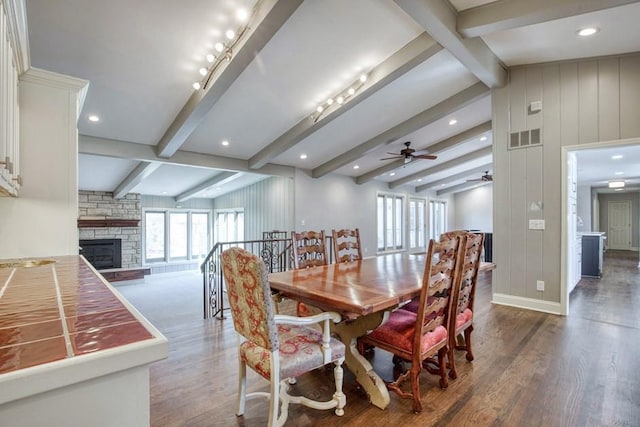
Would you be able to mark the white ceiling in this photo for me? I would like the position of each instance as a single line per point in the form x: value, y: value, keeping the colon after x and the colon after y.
x: 596, y: 167
x: 141, y: 58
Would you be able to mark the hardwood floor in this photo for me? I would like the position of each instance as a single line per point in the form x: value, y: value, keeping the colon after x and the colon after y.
x: 530, y: 368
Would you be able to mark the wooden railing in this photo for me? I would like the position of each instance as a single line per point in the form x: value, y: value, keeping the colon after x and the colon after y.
x: 274, y: 249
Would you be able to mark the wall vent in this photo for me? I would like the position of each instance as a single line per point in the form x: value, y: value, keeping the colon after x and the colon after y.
x: 525, y: 139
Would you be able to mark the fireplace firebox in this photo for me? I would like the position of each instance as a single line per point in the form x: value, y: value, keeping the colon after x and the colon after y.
x: 102, y: 253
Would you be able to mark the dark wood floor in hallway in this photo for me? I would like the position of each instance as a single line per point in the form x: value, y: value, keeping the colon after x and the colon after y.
x: 530, y: 368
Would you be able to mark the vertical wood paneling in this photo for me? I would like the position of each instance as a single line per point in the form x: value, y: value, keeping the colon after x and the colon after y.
x: 551, y: 199
x: 569, y: 105
x: 609, y: 99
x: 268, y: 206
x: 533, y: 190
x: 588, y: 101
x: 630, y: 96
x: 501, y: 189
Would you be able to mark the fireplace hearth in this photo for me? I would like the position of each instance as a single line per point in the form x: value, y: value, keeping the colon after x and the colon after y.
x: 102, y: 253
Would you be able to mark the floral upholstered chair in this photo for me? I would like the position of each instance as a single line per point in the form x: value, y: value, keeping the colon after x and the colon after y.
x: 419, y: 336
x: 279, y: 348
x: 346, y: 245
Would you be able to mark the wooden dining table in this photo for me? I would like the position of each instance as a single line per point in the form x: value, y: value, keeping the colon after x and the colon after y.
x: 364, y: 292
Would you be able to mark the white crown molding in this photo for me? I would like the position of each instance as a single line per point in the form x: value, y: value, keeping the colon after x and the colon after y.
x: 528, y: 303
x: 58, y: 81
x: 18, y: 33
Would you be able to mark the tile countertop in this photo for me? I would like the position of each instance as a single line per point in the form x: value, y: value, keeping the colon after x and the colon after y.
x: 62, y: 323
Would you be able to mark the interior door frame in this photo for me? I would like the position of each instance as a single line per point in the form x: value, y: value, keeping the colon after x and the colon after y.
x: 564, y: 191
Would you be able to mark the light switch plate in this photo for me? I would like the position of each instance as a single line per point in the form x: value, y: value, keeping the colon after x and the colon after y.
x: 536, y: 224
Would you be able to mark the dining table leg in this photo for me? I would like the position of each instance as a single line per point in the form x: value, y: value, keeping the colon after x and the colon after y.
x: 349, y: 331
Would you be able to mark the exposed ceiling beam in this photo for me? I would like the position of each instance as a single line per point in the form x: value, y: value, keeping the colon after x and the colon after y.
x: 507, y: 14
x: 454, y: 177
x: 220, y: 179
x: 474, y: 155
x: 269, y: 17
x: 428, y: 116
x: 411, y: 55
x: 431, y: 149
x: 438, y: 18
x: 143, y: 170
x: 142, y: 152
x: 461, y: 187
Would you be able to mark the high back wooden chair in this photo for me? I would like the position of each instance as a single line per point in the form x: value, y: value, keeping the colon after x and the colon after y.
x: 465, y: 290
x: 309, y: 249
x: 346, y: 245
x: 418, y: 336
x: 276, y: 347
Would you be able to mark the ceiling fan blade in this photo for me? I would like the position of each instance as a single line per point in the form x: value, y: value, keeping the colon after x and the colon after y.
x: 425, y: 156
x: 392, y: 158
x: 475, y: 180
x: 395, y: 154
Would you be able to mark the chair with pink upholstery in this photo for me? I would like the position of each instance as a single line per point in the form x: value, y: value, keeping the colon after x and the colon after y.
x: 279, y: 348
x: 463, y: 295
x: 418, y: 336
x: 465, y: 290
x: 346, y: 245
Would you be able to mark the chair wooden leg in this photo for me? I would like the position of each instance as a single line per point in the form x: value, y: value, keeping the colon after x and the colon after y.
x: 442, y: 360
x: 415, y: 387
x: 467, y: 340
x: 274, y: 399
x: 453, y: 374
x: 339, y: 396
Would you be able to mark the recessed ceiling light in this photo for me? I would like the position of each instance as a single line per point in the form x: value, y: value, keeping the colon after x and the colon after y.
x: 303, y: 156
x: 225, y: 143
x: 619, y: 173
x: 218, y: 188
x: 356, y: 167
x: 94, y: 118
x: 589, y: 31
x: 616, y: 184
x: 392, y: 174
x: 419, y: 179
x: 164, y: 192
x: 452, y: 122
x: 617, y: 157
x: 483, y: 138
x: 242, y: 15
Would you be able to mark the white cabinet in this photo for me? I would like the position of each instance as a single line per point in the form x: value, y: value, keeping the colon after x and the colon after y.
x: 9, y: 112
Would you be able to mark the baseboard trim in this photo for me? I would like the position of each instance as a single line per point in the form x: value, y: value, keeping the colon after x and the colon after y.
x: 527, y: 303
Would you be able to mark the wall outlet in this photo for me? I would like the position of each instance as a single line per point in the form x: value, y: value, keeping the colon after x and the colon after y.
x: 540, y: 285
x: 536, y: 224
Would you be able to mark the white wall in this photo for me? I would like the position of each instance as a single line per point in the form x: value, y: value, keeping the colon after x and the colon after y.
x: 583, y: 207
x: 42, y: 220
x: 474, y: 209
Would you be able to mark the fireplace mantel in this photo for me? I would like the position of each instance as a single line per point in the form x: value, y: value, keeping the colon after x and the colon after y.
x: 107, y: 222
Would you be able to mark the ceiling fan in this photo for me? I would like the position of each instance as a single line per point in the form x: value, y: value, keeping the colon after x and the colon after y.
x: 487, y: 177
x: 407, y: 154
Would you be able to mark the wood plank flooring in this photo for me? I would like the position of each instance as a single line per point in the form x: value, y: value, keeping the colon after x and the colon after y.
x: 530, y: 368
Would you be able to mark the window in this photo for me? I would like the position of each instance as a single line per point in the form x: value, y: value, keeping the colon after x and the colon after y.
x: 176, y: 235
x: 437, y: 218
x: 229, y: 225
x: 390, y: 222
x: 154, y: 236
x: 417, y: 210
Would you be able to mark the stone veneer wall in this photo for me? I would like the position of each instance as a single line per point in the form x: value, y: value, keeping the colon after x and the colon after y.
x: 102, y: 204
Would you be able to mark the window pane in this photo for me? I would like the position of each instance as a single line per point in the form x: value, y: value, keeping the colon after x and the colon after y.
x: 177, y: 235
x: 240, y: 226
x: 231, y: 227
x: 221, y: 227
x: 398, y: 223
x: 199, y: 235
x: 421, y: 242
x: 389, y: 223
x: 413, y: 226
x: 380, y: 223
x: 154, y: 235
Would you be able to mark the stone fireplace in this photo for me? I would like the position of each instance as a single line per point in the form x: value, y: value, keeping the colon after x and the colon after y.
x: 115, y: 215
